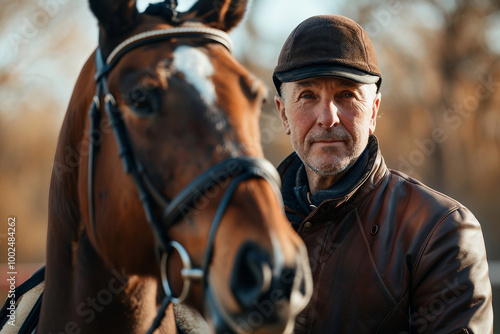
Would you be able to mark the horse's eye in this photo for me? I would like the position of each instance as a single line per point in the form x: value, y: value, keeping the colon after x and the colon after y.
x: 143, y: 101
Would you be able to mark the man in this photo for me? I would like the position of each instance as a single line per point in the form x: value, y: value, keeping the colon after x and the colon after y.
x: 387, y: 253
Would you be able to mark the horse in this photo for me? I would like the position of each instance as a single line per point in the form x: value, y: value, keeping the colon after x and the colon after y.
x: 160, y: 192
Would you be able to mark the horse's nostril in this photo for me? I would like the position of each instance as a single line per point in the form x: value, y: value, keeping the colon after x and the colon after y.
x: 288, y: 278
x: 252, y: 274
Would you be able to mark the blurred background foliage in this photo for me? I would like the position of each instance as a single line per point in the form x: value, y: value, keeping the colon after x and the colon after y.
x: 439, y: 118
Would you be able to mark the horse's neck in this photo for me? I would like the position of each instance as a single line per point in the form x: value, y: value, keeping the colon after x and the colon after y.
x: 86, y: 295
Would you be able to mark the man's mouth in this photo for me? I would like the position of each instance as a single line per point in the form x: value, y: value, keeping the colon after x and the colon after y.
x: 332, y: 141
x: 328, y: 141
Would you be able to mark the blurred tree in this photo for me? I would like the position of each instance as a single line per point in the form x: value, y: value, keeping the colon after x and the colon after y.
x: 39, y: 62
x: 440, y: 98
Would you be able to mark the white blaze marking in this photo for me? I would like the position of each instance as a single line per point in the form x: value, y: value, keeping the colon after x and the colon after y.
x: 197, y: 70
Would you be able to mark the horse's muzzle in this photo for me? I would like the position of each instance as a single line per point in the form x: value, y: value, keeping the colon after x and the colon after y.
x: 269, y: 292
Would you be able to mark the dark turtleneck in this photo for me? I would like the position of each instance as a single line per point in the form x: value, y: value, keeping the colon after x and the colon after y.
x: 341, y: 188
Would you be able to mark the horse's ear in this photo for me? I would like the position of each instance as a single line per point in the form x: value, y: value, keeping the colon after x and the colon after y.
x: 221, y: 14
x: 115, y: 16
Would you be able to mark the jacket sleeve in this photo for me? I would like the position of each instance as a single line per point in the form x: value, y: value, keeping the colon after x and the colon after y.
x: 451, y: 290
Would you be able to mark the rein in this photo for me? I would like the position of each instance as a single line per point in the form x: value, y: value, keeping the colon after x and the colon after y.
x: 233, y: 170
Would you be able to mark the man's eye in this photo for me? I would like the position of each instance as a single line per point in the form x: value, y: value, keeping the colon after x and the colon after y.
x: 306, y: 96
x: 347, y: 95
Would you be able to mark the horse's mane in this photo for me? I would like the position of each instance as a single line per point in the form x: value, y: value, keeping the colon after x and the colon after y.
x: 63, y: 201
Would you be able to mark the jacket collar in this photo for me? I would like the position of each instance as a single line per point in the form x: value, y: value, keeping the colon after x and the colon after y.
x: 372, y: 174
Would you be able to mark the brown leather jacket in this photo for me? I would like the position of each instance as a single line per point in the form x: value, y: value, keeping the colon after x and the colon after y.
x: 391, y: 256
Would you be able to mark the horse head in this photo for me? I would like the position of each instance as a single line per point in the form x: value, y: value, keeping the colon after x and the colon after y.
x: 171, y: 185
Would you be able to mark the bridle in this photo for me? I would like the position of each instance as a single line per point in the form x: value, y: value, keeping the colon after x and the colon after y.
x: 232, y: 170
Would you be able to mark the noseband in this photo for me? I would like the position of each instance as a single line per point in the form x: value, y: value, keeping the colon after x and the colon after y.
x: 232, y: 171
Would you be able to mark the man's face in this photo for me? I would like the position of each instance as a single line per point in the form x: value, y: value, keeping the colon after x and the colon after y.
x: 329, y: 120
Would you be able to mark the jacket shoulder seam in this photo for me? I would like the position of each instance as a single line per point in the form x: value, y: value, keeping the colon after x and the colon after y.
x: 407, y: 179
x: 428, y: 238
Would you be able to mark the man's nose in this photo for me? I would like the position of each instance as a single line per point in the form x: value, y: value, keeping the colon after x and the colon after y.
x: 328, y: 114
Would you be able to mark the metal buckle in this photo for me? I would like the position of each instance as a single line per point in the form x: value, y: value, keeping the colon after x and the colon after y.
x: 188, y: 273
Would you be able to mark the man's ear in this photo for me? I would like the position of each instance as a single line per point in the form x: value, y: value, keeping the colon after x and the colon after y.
x: 280, y: 105
x: 373, y: 117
